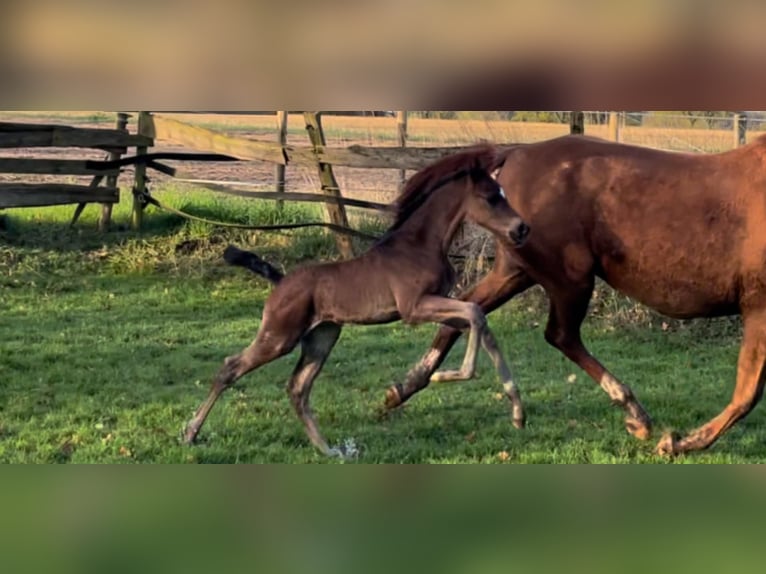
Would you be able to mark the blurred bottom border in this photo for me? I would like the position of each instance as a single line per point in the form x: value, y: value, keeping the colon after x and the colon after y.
x: 357, y: 518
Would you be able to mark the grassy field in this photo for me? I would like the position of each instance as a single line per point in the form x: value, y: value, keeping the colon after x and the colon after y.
x: 108, y: 344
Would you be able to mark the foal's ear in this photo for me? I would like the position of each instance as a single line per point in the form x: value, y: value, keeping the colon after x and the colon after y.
x: 498, y: 159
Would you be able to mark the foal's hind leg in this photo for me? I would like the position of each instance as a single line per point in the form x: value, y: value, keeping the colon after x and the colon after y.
x: 316, y: 347
x: 267, y: 347
x: 503, y: 282
x: 567, y: 312
x: 751, y: 376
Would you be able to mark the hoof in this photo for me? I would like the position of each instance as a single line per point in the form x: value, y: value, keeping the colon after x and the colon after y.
x: 520, y: 423
x: 639, y: 429
x: 668, y: 445
x: 393, y: 397
x: 189, y: 436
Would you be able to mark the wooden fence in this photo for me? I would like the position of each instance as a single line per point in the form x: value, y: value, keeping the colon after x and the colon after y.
x: 153, y: 127
x: 315, y: 155
x: 114, y: 142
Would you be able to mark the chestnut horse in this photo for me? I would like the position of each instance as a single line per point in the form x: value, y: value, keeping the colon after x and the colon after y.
x: 684, y: 234
x: 405, y: 276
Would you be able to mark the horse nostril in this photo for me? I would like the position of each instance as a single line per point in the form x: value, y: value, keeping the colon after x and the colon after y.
x: 521, y: 233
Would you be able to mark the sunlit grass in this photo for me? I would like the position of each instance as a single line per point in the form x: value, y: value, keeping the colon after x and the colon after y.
x: 108, y: 344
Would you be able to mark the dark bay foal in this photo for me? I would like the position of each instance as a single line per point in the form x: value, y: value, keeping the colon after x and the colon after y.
x: 405, y: 276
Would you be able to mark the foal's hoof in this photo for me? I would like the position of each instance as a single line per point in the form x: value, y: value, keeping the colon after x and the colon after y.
x: 189, y: 436
x: 642, y: 430
x: 518, y: 418
x: 393, y: 397
x: 668, y: 445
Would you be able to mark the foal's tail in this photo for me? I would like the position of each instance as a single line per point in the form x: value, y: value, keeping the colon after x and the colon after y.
x: 248, y: 260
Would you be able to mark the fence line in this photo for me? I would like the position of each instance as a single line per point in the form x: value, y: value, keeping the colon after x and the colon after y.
x: 355, y: 156
x: 113, y: 141
x: 315, y: 154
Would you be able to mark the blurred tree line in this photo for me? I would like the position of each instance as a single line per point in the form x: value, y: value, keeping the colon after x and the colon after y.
x: 678, y: 119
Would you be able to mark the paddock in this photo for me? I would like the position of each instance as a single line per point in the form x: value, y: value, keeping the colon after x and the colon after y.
x: 110, y: 339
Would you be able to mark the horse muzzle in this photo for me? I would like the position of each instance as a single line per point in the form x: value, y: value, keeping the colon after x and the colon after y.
x: 519, y: 234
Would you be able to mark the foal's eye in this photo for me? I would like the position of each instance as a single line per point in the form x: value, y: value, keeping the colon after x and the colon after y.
x: 496, y: 198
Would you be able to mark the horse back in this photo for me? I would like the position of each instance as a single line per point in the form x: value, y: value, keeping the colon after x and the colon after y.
x: 680, y: 232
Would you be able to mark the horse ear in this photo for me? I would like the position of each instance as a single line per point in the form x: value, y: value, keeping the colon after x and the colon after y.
x: 499, y: 156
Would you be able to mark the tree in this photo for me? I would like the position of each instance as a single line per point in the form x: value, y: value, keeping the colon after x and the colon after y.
x: 709, y: 117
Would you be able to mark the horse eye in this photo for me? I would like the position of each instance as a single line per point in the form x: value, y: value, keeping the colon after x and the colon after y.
x: 496, y: 198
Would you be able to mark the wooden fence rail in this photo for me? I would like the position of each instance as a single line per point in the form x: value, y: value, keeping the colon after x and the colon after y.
x: 370, y: 157
x: 45, y: 194
x: 15, y: 135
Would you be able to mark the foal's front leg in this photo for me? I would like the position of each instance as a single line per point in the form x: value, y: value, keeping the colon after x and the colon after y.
x: 468, y: 370
x: 461, y: 314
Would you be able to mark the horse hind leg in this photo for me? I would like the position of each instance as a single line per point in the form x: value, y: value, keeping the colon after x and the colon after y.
x: 563, y: 332
x: 751, y: 376
x: 267, y: 347
x: 315, y: 348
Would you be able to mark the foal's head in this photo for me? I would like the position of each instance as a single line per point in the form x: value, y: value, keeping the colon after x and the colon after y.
x: 482, y: 199
x: 486, y: 205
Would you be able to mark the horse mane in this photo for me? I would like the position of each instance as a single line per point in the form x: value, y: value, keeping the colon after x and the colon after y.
x: 481, y: 157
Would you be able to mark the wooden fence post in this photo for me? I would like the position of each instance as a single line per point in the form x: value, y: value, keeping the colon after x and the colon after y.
x: 401, y: 125
x: 139, y: 186
x: 111, y: 181
x: 740, y: 129
x: 279, y: 170
x: 576, y: 122
x: 337, y: 212
x: 614, y: 126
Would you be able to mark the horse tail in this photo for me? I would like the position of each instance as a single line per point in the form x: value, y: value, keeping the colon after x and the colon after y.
x: 248, y: 260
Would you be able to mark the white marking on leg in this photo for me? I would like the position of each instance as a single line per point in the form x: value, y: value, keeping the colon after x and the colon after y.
x: 510, y: 388
x: 431, y: 356
x: 614, y: 388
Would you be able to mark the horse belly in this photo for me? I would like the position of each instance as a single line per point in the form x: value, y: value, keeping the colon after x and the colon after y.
x: 676, y: 290
x: 357, y: 302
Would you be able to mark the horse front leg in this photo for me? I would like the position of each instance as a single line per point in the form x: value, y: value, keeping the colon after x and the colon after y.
x: 457, y: 314
x: 504, y: 281
x: 567, y: 312
x: 468, y: 370
x: 751, y: 376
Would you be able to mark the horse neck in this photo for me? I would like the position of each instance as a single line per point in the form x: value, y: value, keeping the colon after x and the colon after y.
x: 436, y: 221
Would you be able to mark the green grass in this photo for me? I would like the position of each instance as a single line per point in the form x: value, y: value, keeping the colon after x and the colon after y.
x: 108, y: 344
